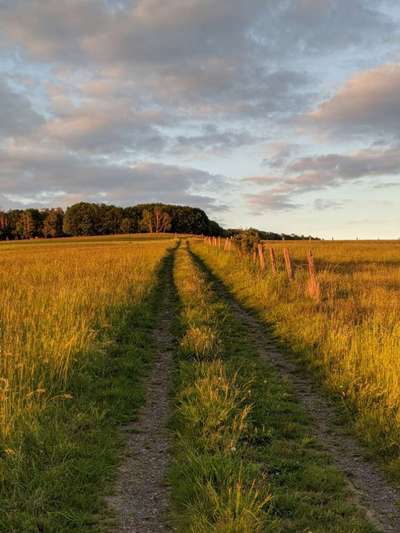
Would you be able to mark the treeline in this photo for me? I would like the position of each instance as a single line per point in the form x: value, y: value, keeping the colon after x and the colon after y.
x: 100, y: 219
x: 259, y: 235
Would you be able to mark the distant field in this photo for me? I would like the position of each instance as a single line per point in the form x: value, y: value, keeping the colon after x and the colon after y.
x: 345, y: 255
x: 133, y: 237
x: 351, y: 337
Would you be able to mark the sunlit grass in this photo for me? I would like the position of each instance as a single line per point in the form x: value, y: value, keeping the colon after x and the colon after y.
x: 352, y: 336
x: 215, y: 488
x: 55, y: 301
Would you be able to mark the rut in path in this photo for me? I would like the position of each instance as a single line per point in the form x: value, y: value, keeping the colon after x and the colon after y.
x: 371, y: 490
x: 141, y: 494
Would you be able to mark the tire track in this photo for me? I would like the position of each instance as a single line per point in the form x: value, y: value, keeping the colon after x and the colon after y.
x: 141, y: 498
x: 368, y: 485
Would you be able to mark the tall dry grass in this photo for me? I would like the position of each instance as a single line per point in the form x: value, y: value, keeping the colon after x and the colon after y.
x: 352, y: 336
x: 55, y: 300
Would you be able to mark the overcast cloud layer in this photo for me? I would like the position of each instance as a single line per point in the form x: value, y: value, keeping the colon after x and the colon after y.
x: 282, y: 115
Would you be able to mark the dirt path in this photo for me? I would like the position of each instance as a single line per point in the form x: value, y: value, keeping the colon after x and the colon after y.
x: 369, y: 487
x: 141, y: 494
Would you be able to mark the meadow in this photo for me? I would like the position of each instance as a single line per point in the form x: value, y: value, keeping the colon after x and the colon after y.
x: 61, y: 306
x: 78, y: 342
x: 350, y: 338
x: 53, y: 301
x: 246, y: 460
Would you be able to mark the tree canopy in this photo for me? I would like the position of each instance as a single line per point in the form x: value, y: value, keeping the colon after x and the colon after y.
x: 86, y: 218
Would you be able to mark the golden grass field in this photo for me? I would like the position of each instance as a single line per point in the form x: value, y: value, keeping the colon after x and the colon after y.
x: 352, y: 336
x: 77, y: 321
x: 54, y: 299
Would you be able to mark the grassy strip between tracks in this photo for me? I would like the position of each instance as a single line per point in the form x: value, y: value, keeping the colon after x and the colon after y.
x: 246, y: 460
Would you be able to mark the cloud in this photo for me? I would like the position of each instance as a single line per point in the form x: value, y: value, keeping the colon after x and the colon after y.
x: 323, y: 26
x: 91, y: 30
x: 323, y: 204
x: 328, y: 169
x: 106, y: 120
x: 270, y: 201
x: 53, y: 30
x: 17, y: 116
x: 279, y: 152
x: 107, y: 128
x: 309, y: 174
x: 386, y: 185
x: 58, y: 177
x: 368, y: 104
x: 200, y: 56
x: 263, y: 180
x: 212, y: 140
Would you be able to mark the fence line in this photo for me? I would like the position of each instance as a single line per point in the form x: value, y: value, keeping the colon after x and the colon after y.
x: 257, y: 254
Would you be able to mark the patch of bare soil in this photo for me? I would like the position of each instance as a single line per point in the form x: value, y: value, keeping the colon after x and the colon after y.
x: 141, y: 496
x: 369, y: 487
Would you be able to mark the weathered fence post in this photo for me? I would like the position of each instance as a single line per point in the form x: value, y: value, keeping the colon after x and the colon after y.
x: 273, y: 260
x: 288, y: 263
x: 261, y: 257
x: 314, y: 289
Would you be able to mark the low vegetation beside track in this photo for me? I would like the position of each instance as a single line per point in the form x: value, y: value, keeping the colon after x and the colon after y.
x: 77, y: 339
x: 246, y: 456
x: 74, y: 348
x: 350, y: 337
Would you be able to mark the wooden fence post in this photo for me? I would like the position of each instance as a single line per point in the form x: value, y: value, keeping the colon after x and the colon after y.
x: 273, y: 260
x: 288, y: 263
x: 314, y: 289
x: 261, y: 257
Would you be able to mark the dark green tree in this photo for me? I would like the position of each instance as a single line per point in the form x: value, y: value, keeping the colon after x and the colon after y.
x: 53, y: 223
x: 110, y: 219
x: 29, y: 224
x: 82, y: 219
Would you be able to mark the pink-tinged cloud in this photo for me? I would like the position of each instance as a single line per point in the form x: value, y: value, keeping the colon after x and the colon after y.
x: 263, y: 180
x: 326, y: 172
x: 369, y: 103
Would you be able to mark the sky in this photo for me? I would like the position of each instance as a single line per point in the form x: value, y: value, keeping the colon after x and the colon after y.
x: 277, y: 114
